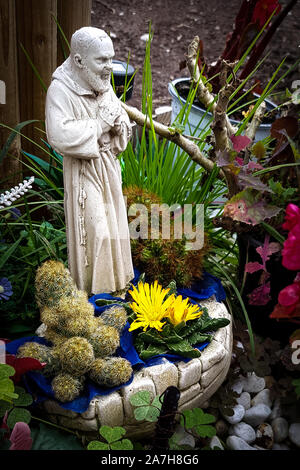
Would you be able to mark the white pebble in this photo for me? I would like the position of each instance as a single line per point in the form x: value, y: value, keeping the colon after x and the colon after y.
x: 144, y: 37
x: 236, y: 443
x: 280, y: 428
x: 238, y: 414
x: 237, y: 386
x: 215, y: 442
x: 276, y: 411
x: 254, y: 384
x: 263, y: 397
x: 294, y: 434
x: 244, y: 400
x: 244, y: 431
x: 257, y: 414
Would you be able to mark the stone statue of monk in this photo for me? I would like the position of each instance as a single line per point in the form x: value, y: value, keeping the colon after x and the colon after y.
x: 86, y: 124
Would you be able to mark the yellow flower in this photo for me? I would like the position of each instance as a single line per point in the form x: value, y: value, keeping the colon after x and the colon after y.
x: 181, y: 311
x: 149, y: 306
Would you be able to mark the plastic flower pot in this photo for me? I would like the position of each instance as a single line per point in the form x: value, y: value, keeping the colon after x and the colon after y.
x: 197, y: 113
x: 122, y: 73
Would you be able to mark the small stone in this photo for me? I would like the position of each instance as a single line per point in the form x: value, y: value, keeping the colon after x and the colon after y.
x: 184, y: 438
x: 236, y: 443
x: 265, y: 436
x: 238, y: 414
x: 294, y: 434
x: 280, y: 447
x: 276, y: 411
x: 215, y: 442
x: 221, y: 428
x: 144, y: 37
x: 238, y: 385
x: 263, y: 397
x: 253, y: 383
x: 244, y: 400
x: 257, y: 414
x: 244, y: 431
x: 280, y: 429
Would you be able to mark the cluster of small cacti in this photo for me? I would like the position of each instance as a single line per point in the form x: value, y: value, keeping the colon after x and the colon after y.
x: 81, y: 341
x: 163, y: 259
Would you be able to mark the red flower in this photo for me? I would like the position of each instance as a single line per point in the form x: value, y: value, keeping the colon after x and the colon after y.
x: 291, y: 252
x: 263, y: 10
x: 292, y: 217
x: 288, y: 301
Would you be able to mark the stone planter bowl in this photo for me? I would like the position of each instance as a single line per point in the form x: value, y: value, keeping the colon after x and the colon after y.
x: 197, y: 381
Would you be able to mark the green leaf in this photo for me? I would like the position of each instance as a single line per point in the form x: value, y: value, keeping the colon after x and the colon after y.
x: 198, y: 337
x: 4, y: 407
x: 173, y: 443
x: 205, y: 430
x: 97, y: 445
x: 214, y: 324
x: 46, y: 437
x: 153, y: 351
x: 141, y: 398
x: 124, y: 444
x: 24, y: 399
x: 111, y: 434
x: 196, y: 417
x: 151, y: 337
x: 7, y: 387
x: 183, y: 348
x: 12, y: 136
x: 146, y: 413
x: 6, y: 371
x: 18, y: 415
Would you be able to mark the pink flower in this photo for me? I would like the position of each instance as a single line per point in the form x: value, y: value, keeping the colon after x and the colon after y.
x: 288, y: 301
x: 292, y: 217
x: 291, y: 251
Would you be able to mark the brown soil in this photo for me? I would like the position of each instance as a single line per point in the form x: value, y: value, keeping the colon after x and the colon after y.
x: 175, y: 23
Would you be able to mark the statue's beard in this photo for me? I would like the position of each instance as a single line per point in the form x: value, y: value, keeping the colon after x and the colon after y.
x: 97, y: 83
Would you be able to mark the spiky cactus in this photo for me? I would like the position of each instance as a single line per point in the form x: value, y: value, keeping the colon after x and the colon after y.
x: 52, y: 282
x: 115, y: 316
x: 43, y: 354
x: 76, y: 356
x: 105, y: 340
x: 66, y: 387
x: 110, y: 372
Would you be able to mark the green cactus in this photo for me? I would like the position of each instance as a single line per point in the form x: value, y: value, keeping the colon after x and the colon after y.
x: 115, y: 316
x: 104, y: 340
x: 54, y: 337
x: 52, y: 281
x: 66, y: 388
x: 43, y: 354
x: 76, y: 356
x: 110, y: 371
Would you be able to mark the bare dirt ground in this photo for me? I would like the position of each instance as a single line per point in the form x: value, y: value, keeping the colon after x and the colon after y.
x: 175, y: 23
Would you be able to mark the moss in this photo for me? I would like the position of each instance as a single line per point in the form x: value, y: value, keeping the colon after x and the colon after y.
x: 111, y: 372
x: 76, y: 355
x: 105, y: 340
x: 66, y: 388
x: 115, y: 316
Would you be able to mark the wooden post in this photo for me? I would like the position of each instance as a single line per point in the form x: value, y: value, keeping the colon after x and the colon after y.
x: 71, y: 15
x: 10, y: 168
x: 37, y: 32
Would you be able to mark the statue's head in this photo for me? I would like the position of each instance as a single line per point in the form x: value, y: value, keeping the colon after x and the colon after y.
x: 91, y: 54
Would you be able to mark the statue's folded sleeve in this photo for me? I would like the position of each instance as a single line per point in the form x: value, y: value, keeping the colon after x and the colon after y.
x: 68, y: 135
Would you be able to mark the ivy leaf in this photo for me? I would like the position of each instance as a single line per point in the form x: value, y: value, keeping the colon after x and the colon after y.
x: 111, y: 434
x: 142, y: 398
x: 97, y: 445
x: 124, y: 444
x: 18, y: 415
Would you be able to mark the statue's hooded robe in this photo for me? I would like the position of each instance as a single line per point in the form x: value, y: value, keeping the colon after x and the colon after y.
x: 98, y: 241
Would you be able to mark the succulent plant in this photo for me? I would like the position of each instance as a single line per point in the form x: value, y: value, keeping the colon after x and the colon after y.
x: 111, y: 371
x: 66, y: 387
x: 115, y: 316
x: 43, y: 354
x: 52, y: 282
x: 105, y: 340
x: 76, y: 356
